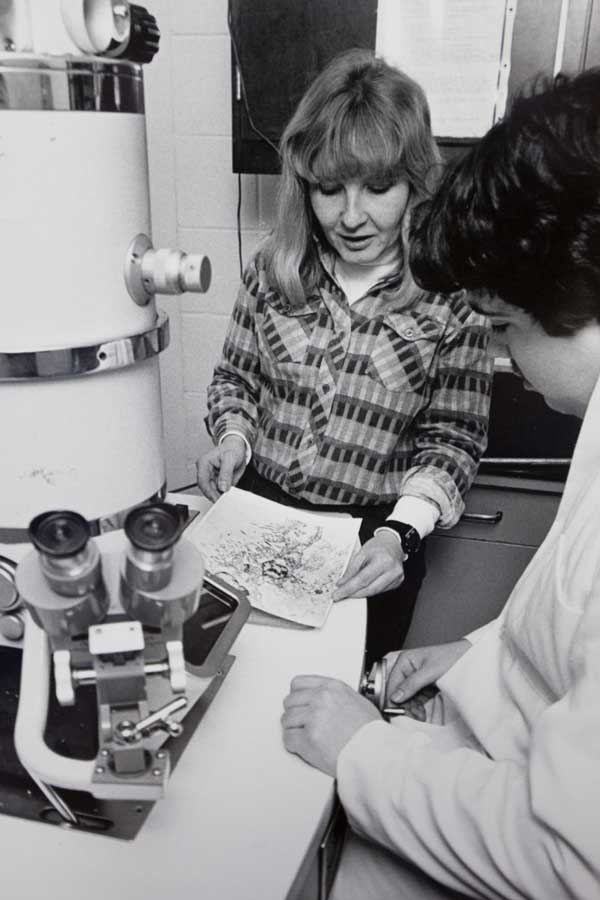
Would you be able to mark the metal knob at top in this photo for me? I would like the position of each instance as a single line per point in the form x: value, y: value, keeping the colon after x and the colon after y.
x: 144, y: 35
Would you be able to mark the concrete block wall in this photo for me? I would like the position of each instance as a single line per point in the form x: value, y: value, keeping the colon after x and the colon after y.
x: 194, y: 198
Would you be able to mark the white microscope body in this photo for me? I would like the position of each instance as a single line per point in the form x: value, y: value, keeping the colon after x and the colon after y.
x: 80, y: 394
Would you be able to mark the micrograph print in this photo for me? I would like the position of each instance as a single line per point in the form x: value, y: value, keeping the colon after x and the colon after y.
x: 288, y: 560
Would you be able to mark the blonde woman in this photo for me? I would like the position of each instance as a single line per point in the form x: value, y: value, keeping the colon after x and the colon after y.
x: 342, y: 386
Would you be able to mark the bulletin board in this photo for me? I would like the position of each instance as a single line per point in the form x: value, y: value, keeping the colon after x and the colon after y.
x: 459, y: 51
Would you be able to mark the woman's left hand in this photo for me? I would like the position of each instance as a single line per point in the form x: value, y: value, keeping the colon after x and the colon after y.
x: 376, y: 567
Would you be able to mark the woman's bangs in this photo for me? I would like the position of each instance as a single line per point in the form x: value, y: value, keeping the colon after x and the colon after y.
x: 357, y: 150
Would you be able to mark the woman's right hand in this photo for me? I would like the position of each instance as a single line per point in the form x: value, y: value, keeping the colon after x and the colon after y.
x: 412, y: 670
x: 221, y: 467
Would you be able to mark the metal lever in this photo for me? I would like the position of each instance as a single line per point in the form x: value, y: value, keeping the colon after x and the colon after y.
x: 156, y: 721
x: 484, y: 518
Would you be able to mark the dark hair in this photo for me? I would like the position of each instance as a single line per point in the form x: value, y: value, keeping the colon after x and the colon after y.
x: 519, y: 215
x: 360, y: 118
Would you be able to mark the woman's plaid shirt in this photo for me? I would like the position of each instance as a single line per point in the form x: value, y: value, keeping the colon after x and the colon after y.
x: 360, y: 404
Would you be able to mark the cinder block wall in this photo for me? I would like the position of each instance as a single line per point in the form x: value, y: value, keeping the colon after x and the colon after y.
x: 194, y: 201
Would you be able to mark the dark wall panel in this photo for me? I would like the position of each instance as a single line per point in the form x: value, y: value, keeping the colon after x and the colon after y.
x: 279, y: 46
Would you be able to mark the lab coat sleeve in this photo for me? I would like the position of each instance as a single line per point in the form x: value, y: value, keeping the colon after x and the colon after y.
x: 474, y: 636
x: 490, y: 828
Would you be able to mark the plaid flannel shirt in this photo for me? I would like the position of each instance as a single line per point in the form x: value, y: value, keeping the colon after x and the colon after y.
x: 356, y: 404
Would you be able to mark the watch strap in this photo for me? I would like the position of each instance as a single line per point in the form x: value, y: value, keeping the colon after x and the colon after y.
x: 409, y: 537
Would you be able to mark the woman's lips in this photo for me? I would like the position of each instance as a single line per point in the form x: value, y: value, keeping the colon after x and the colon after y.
x: 355, y: 242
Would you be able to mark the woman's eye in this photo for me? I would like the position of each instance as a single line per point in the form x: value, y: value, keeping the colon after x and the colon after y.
x: 382, y: 188
x: 329, y: 189
x: 500, y: 327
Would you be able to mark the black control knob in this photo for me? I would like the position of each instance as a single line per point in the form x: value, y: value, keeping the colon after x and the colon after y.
x: 153, y: 528
x: 59, y: 533
x: 144, y: 35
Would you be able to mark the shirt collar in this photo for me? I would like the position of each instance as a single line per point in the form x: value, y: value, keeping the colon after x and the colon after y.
x: 327, y: 260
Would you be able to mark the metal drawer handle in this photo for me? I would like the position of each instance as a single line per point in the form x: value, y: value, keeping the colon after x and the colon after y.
x: 484, y: 518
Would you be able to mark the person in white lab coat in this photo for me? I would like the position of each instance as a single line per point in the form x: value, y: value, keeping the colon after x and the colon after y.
x: 497, y: 793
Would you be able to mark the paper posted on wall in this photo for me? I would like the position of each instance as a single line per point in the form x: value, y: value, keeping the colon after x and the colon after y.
x: 288, y: 560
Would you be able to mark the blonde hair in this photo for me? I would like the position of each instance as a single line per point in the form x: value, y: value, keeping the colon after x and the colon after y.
x: 360, y: 118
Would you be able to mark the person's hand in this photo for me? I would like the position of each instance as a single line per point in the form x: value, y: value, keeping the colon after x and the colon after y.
x: 412, y: 670
x: 376, y: 567
x: 321, y: 715
x: 221, y: 467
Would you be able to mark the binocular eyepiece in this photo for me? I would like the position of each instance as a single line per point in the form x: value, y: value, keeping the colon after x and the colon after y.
x: 153, y: 529
x: 160, y: 579
x: 60, y: 533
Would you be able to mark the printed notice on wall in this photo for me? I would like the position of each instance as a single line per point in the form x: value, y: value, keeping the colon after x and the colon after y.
x: 458, y: 51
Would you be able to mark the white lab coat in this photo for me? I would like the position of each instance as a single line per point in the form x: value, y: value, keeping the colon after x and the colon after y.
x: 504, y: 799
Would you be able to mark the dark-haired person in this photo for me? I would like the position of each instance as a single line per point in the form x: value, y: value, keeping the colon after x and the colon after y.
x: 497, y: 793
x: 342, y: 386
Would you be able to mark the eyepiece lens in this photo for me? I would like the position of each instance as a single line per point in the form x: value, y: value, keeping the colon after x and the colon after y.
x: 153, y: 528
x: 59, y: 533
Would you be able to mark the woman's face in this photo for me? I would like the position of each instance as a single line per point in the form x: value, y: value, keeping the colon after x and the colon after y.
x: 362, y: 220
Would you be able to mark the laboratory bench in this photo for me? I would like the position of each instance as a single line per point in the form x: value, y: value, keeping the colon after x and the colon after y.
x: 241, y: 817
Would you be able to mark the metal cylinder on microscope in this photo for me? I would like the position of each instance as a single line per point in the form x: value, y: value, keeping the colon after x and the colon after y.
x: 79, y: 377
x: 162, y: 576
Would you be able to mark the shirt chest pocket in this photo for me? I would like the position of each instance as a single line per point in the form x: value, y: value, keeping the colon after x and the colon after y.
x: 284, y: 341
x: 403, y: 354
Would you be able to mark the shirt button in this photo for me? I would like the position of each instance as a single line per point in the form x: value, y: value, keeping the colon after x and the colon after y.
x: 409, y: 332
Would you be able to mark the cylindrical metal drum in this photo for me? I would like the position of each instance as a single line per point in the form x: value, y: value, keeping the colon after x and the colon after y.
x: 79, y: 383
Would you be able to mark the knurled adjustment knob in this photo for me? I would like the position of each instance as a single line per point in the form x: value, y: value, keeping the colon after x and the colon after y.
x: 144, y: 35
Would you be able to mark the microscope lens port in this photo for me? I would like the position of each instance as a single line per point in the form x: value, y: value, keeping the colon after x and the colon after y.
x: 69, y: 560
x: 154, y: 528
x: 161, y: 576
x: 152, y: 531
x: 70, y: 595
x: 59, y: 534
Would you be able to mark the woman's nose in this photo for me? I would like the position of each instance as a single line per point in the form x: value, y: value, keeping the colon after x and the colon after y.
x: 354, y: 213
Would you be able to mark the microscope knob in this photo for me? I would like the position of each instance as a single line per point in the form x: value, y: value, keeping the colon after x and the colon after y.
x: 144, y: 35
x: 12, y: 626
x: 373, y: 684
x: 9, y: 596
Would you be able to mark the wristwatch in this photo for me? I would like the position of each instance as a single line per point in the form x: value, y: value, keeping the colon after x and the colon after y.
x: 410, y: 538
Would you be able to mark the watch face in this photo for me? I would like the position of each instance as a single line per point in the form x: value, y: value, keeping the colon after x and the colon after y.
x: 411, y: 541
x: 409, y: 536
